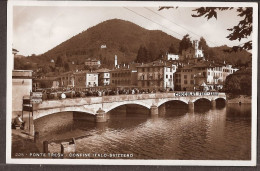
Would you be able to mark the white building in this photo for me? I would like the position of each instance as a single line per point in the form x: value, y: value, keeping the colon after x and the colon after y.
x: 103, y: 76
x: 172, y: 56
x: 21, y: 87
x: 198, y: 52
x: 193, y: 52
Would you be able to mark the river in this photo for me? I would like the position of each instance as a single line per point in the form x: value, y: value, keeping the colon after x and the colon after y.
x: 222, y: 133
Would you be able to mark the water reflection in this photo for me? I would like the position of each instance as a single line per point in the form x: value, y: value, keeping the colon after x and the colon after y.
x: 221, y: 133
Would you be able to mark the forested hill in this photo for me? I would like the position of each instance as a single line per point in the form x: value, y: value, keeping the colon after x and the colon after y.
x: 122, y: 38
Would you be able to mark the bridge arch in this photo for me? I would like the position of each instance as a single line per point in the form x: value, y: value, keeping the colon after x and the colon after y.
x: 117, y: 104
x: 41, y: 113
x: 201, y: 98
x: 220, y: 98
x: 163, y: 101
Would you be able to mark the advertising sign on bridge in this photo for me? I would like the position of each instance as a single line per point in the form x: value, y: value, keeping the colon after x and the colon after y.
x: 36, y: 97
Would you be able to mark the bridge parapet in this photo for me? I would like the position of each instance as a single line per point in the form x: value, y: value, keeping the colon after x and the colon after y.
x: 188, y: 96
x: 92, y: 104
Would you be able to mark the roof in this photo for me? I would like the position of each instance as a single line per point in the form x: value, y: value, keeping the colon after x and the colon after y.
x: 46, y: 79
x: 156, y: 64
x: 102, y: 70
x: 84, y: 72
x: 121, y: 69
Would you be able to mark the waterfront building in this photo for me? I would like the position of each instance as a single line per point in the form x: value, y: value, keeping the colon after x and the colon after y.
x: 21, y: 88
x: 124, y: 75
x: 103, y: 76
x: 85, y: 79
x: 46, y: 82
x: 67, y: 79
x: 158, y: 74
x: 203, y: 74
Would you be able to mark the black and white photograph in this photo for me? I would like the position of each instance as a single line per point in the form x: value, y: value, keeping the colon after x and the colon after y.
x: 132, y: 83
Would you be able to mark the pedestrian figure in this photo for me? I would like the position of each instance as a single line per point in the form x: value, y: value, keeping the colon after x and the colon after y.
x: 19, y: 122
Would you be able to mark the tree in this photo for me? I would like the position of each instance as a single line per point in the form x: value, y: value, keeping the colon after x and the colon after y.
x: 142, y: 55
x: 204, y: 46
x: 59, y: 62
x: 66, y: 66
x: 172, y: 49
x: 240, y: 31
x: 185, y: 43
x: 152, y: 51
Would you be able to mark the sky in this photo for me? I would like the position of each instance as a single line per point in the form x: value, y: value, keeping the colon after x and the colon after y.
x: 37, y: 29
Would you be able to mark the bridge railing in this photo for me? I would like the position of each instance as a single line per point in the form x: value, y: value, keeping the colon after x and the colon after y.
x: 123, y: 97
x: 144, y: 95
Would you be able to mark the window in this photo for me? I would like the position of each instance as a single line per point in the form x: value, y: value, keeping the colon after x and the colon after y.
x: 166, y: 76
x: 170, y: 76
x: 185, y: 82
x: 185, y: 76
x: 191, y: 81
x: 192, y: 76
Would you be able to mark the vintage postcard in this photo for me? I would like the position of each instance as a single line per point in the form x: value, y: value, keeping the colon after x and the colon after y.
x: 132, y: 83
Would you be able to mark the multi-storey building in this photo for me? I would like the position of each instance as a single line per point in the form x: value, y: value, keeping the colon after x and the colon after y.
x: 67, y: 79
x: 21, y: 87
x: 123, y: 77
x: 85, y: 79
x: 92, y: 63
x: 46, y: 82
x: 157, y: 74
x: 210, y: 75
x: 103, y: 76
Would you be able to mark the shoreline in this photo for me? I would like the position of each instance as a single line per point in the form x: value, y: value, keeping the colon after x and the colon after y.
x: 239, y: 99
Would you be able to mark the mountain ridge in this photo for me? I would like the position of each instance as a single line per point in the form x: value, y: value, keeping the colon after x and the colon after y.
x: 122, y: 38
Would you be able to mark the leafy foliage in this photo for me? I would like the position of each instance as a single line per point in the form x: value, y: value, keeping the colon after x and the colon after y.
x: 172, y: 49
x: 240, y: 82
x: 240, y: 31
x: 142, y: 55
x: 185, y: 43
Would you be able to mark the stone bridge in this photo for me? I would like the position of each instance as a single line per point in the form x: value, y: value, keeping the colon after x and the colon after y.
x: 99, y: 106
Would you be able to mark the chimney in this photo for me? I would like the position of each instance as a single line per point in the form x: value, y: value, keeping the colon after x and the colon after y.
x: 115, y: 60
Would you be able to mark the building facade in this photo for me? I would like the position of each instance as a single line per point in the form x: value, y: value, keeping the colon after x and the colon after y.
x: 193, y: 52
x: 204, y: 74
x: 92, y: 63
x: 21, y: 88
x: 85, y: 79
x: 170, y: 56
x: 123, y: 77
x: 67, y: 79
x: 156, y: 75
x: 103, y: 77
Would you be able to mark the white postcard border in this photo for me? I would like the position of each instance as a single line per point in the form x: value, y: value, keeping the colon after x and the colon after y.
x: 251, y: 162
